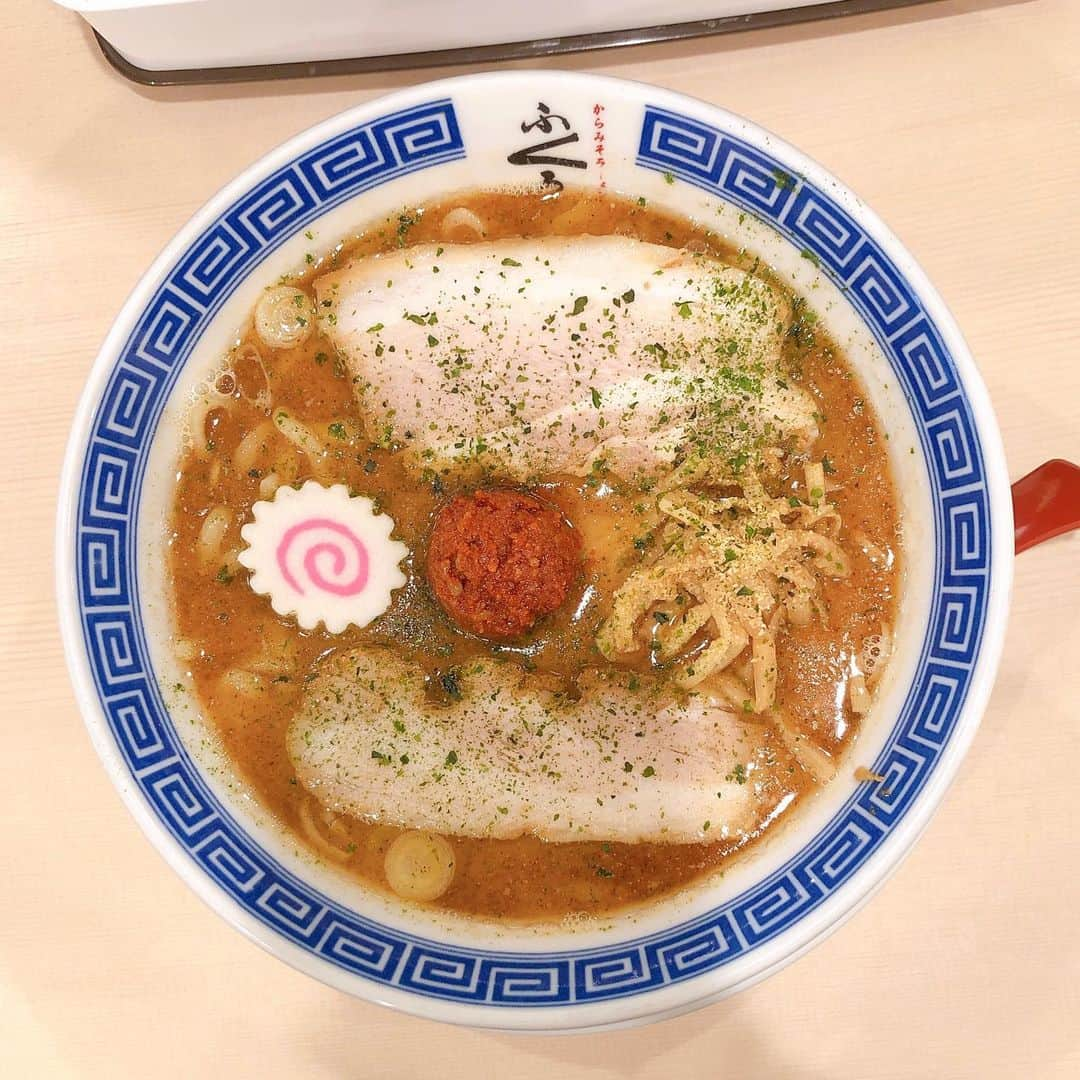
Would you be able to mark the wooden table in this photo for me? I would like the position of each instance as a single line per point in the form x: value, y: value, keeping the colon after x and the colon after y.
x: 960, y: 123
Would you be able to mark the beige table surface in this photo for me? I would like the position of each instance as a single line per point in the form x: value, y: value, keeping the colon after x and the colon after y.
x: 960, y: 123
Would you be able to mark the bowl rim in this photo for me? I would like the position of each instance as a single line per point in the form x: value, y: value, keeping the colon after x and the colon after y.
x: 672, y: 998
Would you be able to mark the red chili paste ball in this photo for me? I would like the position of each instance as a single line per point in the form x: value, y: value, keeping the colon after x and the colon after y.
x: 498, y: 561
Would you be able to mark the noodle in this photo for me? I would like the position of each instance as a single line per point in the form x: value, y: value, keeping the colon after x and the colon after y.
x: 858, y: 695
x: 186, y: 650
x: 877, y: 555
x: 573, y: 222
x: 242, y: 682
x: 307, y: 822
x: 763, y: 667
x: 462, y: 220
x: 230, y: 562
x: 268, y: 485
x: 254, y: 444
x: 212, y: 534
x: 263, y: 398
x: 810, y: 757
x: 206, y: 398
x: 815, y: 482
x: 303, y: 438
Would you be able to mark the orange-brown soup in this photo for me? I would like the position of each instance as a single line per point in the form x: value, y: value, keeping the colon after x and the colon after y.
x: 221, y: 624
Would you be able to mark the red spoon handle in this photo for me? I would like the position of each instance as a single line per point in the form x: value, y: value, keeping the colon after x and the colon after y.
x: 1046, y: 503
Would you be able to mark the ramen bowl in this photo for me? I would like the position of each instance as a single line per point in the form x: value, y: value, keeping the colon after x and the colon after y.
x: 527, y: 130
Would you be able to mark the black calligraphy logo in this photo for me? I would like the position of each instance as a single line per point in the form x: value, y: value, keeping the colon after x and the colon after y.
x: 541, y: 153
x: 549, y: 180
x: 544, y: 121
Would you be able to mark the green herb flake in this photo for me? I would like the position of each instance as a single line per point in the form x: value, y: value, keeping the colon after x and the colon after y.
x: 451, y: 684
x: 405, y: 222
x: 338, y: 431
x: 510, y: 262
x: 783, y: 179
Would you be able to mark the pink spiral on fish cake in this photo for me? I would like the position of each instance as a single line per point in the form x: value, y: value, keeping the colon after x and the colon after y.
x: 332, y: 557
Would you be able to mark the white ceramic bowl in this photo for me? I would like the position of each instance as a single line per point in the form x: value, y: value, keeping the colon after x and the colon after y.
x: 511, y: 129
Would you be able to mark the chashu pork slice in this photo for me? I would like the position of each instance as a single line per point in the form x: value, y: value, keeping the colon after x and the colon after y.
x: 538, y: 354
x: 618, y: 764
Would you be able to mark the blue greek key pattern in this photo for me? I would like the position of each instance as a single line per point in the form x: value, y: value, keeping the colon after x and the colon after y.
x: 289, y: 910
x: 366, y: 953
x: 541, y: 982
x: 824, y: 230
x: 919, y: 351
x: 165, y: 331
x: 713, y: 159
x: 842, y: 848
x: 225, y: 860
x: 966, y: 536
x: 138, y: 727
x: 770, y: 909
x: 164, y: 334
x: 102, y: 562
x: 698, y: 950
